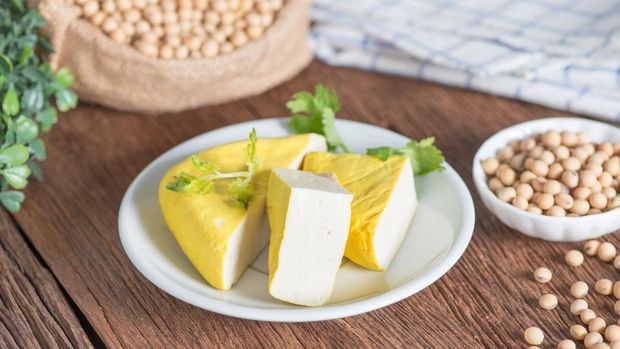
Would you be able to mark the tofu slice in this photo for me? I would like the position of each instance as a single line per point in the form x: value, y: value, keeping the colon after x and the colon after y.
x: 220, y: 239
x: 384, y: 202
x: 309, y: 216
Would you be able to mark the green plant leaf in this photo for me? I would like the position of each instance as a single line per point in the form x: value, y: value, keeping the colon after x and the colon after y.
x: 383, y: 153
x: 27, y: 52
x: 205, y: 165
x: 26, y: 130
x: 9, y: 137
x: 6, y: 66
x: 303, y: 124
x: 46, y: 45
x: 47, y: 117
x: 243, y: 192
x: 29, y: 40
x: 33, y: 73
x: 37, y: 147
x: 64, y: 77
x: 240, y: 186
x: 65, y: 99
x: 33, y: 99
x: 14, y: 155
x: 17, y: 177
x: 19, y: 5
x: 12, y: 200
x: 185, y: 182
x: 423, y: 155
x: 33, y: 19
x: 317, y: 114
x: 10, y: 103
x: 30, y: 96
x: 332, y: 136
x: 301, y: 102
x: 35, y: 167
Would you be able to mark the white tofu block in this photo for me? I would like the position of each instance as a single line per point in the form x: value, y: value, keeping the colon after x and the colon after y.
x: 309, y: 217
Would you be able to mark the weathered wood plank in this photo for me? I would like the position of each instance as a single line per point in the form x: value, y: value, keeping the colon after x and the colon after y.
x: 34, y: 313
x: 94, y: 153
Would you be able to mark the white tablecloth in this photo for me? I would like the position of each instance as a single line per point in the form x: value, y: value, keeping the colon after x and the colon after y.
x: 560, y: 53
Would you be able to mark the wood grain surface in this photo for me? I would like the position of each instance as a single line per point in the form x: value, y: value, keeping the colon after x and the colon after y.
x: 34, y: 312
x: 485, y: 301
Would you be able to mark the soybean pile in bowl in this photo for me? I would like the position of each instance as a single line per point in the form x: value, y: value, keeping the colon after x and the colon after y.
x: 554, y: 228
x: 142, y: 77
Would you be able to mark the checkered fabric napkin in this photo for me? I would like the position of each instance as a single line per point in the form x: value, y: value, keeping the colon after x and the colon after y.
x: 561, y: 53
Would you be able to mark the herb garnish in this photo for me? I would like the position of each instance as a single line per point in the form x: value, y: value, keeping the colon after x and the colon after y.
x: 241, y: 185
x: 317, y: 114
x: 424, y: 156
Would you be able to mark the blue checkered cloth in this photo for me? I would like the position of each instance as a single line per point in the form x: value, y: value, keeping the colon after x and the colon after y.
x: 563, y: 54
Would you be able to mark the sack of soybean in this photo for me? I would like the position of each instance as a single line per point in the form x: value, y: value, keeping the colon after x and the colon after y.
x: 117, y: 75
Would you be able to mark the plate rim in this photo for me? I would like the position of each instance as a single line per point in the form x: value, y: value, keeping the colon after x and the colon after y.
x: 305, y: 314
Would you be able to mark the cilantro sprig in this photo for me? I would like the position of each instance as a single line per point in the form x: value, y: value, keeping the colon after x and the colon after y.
x: 423, y: 155
x: 240, y: 186
x: 317, y: 113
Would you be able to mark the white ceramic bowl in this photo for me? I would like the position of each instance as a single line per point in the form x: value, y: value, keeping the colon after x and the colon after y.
x: 539, y: 226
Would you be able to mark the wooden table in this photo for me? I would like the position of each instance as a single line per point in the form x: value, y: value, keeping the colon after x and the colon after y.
x: 66, y: 282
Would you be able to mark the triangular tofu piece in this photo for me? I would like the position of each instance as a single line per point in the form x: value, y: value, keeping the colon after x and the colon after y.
x: 309, y: 217
x: 220, y: 239
x: 384, y: 201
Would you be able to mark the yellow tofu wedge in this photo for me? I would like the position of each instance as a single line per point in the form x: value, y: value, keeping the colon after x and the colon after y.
x: 384, y: 201
x: 220, y: 239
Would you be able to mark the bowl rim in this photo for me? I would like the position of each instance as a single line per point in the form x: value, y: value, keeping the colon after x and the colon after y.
x: 479, y: 175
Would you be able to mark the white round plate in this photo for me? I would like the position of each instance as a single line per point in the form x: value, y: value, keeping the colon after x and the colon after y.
x: 438, y: 236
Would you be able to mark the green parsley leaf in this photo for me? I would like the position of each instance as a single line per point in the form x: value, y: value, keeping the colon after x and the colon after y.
x: 424, y: 156
x: 316, y: 114
x: 240, y: 186
x: 330, y: 132
x: 382, y: 153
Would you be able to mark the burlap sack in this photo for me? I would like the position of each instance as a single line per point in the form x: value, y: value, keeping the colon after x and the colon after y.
x: 120, y: 77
